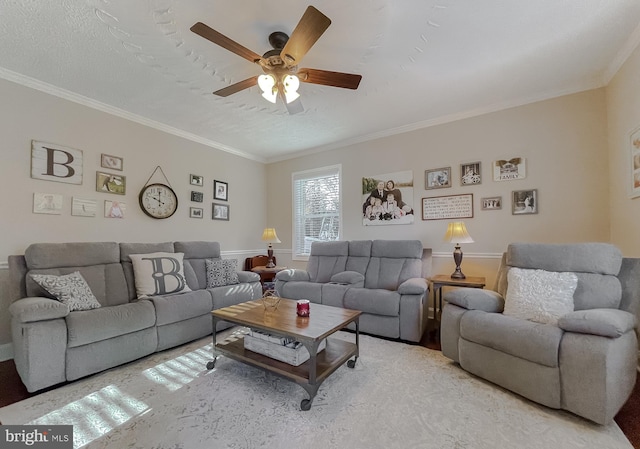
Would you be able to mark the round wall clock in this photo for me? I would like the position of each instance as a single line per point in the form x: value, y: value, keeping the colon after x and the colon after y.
x: 158, y: 200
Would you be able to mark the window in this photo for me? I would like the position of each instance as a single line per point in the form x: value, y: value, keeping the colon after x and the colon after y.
x: 316, y: 208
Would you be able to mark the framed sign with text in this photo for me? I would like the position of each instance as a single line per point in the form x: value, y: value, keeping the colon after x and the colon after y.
x: 447, y: 207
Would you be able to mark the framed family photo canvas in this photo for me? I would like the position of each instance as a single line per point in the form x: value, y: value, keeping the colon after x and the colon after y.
x: 635, y: 164
x: 437, y: 178
x: 220, y: 190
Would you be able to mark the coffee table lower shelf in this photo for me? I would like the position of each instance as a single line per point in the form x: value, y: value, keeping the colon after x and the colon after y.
x: 336, y: 353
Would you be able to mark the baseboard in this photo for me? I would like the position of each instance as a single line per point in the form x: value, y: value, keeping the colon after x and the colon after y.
x: 6, y: 352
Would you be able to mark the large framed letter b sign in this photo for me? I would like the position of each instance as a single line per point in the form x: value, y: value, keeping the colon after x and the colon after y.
x: 52, y: 162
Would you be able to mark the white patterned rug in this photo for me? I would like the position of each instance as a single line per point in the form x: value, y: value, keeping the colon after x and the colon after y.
x: 397, y: 396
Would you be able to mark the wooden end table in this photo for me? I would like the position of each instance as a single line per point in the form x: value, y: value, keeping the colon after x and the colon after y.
x: 445, y: 280
x: 267, y: 274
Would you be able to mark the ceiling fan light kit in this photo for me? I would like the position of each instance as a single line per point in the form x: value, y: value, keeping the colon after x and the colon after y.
x: 280, y: 66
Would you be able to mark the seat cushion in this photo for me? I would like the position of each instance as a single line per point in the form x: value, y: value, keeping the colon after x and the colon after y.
x: 373, y: 301
x: 536, y: 342
x: 89, y: 326
x: 181, y: 306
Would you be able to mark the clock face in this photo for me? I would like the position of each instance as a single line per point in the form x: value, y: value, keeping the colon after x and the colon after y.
x: 158, y: 201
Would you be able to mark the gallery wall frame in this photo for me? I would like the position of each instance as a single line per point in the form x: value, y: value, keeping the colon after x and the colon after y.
x: 196, y: 180
x: 81, y: 207
x: 111, y: 162
x: 437, y: 178
x: 220, y: 211
x: 220, y: 190
x: 47, y: 203
x: 491, y: 203
x: 51, y: 162
x: 524, y: 202
x: 111, y: 183
x: 447, y: 207
x: 196, y: 212
x: 197, y: 197
x: 470, y: 173
x: 510, y: 170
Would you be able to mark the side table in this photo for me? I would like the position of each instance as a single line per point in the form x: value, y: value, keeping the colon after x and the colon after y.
x: 444, y: 280
x: 267, y: 275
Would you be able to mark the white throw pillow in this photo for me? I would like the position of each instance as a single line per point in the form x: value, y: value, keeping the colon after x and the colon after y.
x: 538, y: 295
x: 159, y: 274
x: 221, y: 272
x: 70, y: 289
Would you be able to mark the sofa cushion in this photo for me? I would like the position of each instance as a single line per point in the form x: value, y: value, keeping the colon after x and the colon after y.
x: 327, y: 259
x: 70, y: 289
x: 81, y: 254
x: 181, y: 306
x: 539, y: 295
x: 89, y: 326
x: 195, y: 255
x: 159, y: 273
x: 536, y: 342
x: 393, y: 262
x: 373, y: 301
x: 221, y: 272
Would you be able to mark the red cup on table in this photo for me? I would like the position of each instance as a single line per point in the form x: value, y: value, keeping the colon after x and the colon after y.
x: 302, y: 307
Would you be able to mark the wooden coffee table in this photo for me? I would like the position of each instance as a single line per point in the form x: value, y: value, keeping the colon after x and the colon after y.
x: 322, y: 322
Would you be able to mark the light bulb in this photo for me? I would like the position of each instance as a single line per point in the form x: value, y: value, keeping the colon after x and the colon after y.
x: 291, y: 84
x: 266, y: 84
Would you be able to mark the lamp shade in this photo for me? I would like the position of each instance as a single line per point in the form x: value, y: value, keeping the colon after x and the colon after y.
x: 269, y: 235
x: 457, y: 233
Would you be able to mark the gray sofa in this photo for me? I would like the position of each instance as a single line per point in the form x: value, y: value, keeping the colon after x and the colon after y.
x: 586, y: 363
x: 385, y: 279
x: 53, y: 345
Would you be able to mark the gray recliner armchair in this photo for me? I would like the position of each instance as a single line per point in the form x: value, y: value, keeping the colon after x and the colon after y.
x: 586, y: 363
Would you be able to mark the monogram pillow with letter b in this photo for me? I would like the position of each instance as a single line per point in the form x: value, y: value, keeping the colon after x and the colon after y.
x: 159, y: 274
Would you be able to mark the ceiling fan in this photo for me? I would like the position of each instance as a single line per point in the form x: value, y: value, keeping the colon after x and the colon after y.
x: 280, y: 66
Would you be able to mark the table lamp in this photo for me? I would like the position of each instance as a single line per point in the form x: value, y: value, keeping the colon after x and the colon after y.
x: 457, y: 232
x: 269, y: 235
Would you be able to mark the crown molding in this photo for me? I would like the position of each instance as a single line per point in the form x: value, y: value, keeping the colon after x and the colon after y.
x: 112, y: 110
x: 621, y: 57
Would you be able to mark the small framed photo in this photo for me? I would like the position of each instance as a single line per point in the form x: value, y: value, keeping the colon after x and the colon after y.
x: 47, y: 203
x: 196, y: 212
x: 114, y: 209
x: 220, y: 190
x: 196, y: 180
x: 437, y: 178
x: 110, y: 183
x: 220, y: 211
x: 83, y: 208
x: 111, y: 162
x: 524, y: 202
x: 470, y: 174
x: 197, y: 197
x: 491, y: 203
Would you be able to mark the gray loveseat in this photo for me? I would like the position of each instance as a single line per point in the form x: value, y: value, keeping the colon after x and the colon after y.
x: 385, y: 279
x: 586, y: 363
x: 53, y: 345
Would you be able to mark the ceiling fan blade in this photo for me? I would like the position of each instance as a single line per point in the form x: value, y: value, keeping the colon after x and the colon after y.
x: 295, y: 107
x: 311, y: 26
x: 327, y: 78
x: 220, y: 39
x: 237, y: 87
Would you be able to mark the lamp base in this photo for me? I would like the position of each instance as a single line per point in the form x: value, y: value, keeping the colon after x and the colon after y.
x: 270, y: 263
x: 457, y: 258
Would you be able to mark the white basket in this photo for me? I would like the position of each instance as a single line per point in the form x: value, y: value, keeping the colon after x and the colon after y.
x: 294, y: 354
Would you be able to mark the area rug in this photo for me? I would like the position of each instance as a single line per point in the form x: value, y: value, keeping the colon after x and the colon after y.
x: 397, y: 396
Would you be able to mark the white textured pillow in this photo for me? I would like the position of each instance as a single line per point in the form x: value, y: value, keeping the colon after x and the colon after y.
x: 538, y: 295
x: 70, y: 289
x: 159, y: 274
x: 221, y: 272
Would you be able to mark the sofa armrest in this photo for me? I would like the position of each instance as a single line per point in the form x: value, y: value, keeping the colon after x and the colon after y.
x: 248, y: 276
x: 293, y: 274
x: 27, y: 310
x: 475, y: 299
x: 604, y: 322
x: 352, y: 278
x: 414, y: 286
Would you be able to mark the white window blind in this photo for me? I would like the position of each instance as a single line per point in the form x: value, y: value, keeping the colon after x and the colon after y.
x: 316, y: 208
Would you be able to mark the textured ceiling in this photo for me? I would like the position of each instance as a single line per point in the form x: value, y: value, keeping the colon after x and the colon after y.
x: 422, y: 62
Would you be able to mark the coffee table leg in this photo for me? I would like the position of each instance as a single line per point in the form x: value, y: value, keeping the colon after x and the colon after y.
x: 352, y: 363
x: 212, y: 364
x: 312, y: 386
